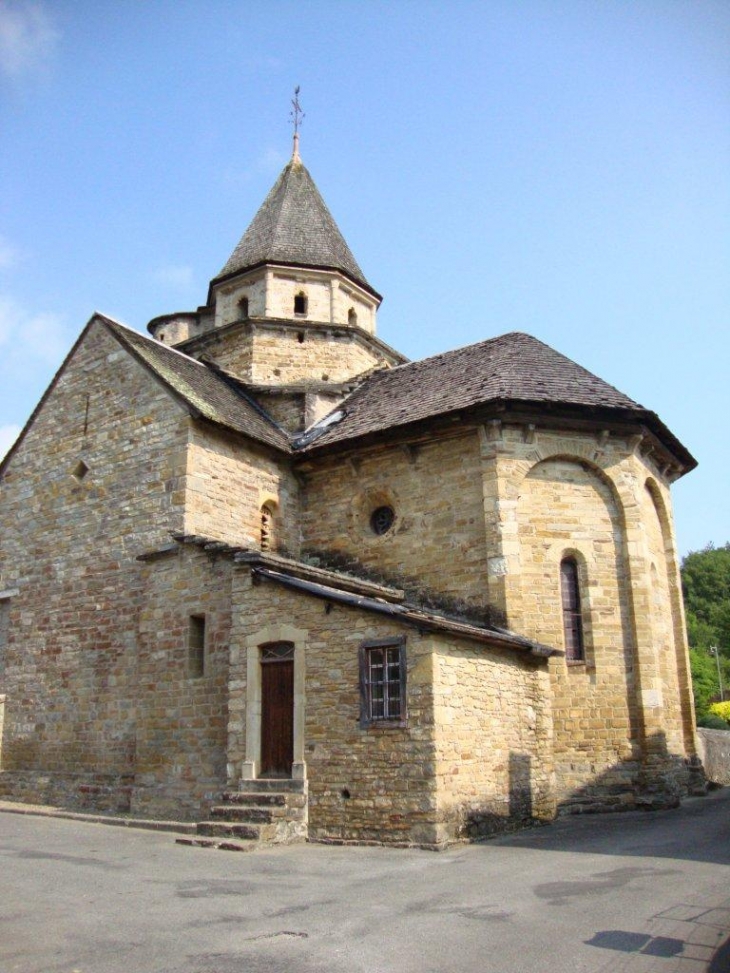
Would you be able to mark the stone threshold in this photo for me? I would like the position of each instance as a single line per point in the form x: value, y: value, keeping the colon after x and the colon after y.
x: 48, y: 811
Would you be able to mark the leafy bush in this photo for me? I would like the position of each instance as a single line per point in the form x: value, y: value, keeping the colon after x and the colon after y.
x: 706, y: 585
x: 712, y: 722
x: 722, y: 710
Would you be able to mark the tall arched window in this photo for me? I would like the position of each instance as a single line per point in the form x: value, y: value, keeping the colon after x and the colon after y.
x: 267, y: 527
x: 572, y: 618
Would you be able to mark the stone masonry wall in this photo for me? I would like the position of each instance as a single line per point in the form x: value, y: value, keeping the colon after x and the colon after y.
x: 666, y: 680
x: 228, y: 482
x: 373, y: 784
x: 288, y: 410
x: 228, y: 297
x: 287, y: 356
x: 70, y: 533
x: 548, y: 494
x: 182, y: 713
x: 493, y: 734
x: 436, y: 492
x: 271, y: 292
x: 566, y: 510
x: 230, y: 349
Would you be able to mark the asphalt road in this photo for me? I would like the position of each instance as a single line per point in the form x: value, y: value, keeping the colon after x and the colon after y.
x: 631, y: 893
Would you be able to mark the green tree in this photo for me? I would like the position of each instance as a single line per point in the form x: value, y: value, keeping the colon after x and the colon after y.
x: 706, y: 585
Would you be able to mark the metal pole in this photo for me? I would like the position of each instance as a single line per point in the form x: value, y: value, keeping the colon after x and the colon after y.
x: 716, y: 652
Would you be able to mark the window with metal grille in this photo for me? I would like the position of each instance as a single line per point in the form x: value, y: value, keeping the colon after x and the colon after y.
x: 277, y: 652
x: 572, y: 617
x: 383, y: 682
x: 196, y: 646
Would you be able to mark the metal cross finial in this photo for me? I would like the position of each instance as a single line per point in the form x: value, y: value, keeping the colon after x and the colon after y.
x: 296, y: 116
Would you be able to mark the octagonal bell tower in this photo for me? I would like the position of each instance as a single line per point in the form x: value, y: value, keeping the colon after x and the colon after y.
x: 291, y: 308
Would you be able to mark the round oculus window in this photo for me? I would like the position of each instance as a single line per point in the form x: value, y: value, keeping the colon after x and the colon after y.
x: 381, y: 520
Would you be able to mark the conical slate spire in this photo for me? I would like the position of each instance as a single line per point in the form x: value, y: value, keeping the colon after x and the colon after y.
x: 295, y: 228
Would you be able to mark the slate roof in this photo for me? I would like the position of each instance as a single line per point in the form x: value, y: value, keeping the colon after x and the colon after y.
x: 513, y: 367
x: 211, y: 396
x: 294, y: 226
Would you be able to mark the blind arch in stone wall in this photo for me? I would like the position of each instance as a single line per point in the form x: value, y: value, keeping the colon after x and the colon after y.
x: 567, y: 507
x: 667, y: 622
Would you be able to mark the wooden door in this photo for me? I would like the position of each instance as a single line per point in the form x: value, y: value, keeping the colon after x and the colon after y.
x: 277, y: 713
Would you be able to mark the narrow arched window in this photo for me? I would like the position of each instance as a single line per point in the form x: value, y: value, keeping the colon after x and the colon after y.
x: 243, y: 307
x: 267, y: 528
x: 352, y: 317
x: 572, y: 618
x: 300, y: 303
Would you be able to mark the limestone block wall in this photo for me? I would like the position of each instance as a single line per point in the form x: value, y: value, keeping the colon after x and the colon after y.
x: 493, y: 734
x: 435, y: 490
x: 98, y: 478
x: 565, y: 509
x: 251, y: 287
x: 230, y: 348
x: 270, y: 291
x: 282, y: 286
x: 549, y: 495
x: 287, y: 409
x: 228, y: 481
x: 284, y: 353
x: 352, y: 306
x: 373, y: 784
x: 287, y: 356
x: 181, y: 711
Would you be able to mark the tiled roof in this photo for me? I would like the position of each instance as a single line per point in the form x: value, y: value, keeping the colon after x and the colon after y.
x: 211, y: 396
x: 513, y: 367
x: 294, y: 226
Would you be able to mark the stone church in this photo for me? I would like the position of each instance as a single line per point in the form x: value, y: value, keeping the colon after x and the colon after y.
x: 260, y: 571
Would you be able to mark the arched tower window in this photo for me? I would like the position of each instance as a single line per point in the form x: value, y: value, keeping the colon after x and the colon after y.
x: 300, y: 303
x: 243, y: 307
x: 267, y: 527
x: 572, y: 618
x: 352, y: 316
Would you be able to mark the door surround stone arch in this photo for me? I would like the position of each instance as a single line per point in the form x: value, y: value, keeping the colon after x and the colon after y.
x: 273, y: 633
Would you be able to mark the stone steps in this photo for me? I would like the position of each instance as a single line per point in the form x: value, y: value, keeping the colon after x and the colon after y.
x: 260, y: 812
x: 251, y: 815
x: 219, y: 845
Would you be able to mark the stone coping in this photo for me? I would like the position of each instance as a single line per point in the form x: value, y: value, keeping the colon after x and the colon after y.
x: 48, y: 811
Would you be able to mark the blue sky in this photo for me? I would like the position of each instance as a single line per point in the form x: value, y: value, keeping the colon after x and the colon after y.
x: 560, y: 168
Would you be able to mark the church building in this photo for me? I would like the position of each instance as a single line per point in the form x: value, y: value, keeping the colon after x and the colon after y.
x: 261, y: 572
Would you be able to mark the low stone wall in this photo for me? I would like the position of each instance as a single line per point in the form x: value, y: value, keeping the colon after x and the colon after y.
x: 714, y: 751
x: 75, y: 792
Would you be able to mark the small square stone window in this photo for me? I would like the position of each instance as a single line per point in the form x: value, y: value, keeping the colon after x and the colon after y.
x: 80, y: 470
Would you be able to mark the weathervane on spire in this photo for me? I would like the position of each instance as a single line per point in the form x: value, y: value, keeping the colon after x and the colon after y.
x: 296, y: 116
